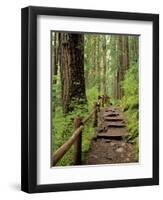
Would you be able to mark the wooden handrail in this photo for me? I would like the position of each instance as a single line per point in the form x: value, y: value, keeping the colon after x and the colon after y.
x: 75, y: 139
x: 66, y: 146
x: 88, y: 117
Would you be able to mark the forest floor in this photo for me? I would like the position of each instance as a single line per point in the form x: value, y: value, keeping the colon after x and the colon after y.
x: 109, y: 145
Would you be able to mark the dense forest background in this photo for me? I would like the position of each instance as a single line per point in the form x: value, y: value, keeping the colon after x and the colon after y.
x: 85, y: 66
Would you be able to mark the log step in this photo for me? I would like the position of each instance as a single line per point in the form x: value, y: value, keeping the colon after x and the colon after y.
x: 113, y: 119
x: 112, y: 132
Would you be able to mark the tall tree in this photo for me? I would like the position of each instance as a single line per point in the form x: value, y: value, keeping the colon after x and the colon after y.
x: 98, y: 66
x: 54, y: 63
x: 113, y: 64
x: 104, y: 63
x: 72, y: 70
x: 123, y: 63
x: 133, y: 49
x: 119, y: 70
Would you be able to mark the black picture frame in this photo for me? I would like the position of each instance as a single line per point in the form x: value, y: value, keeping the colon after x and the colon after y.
x: 29, y: 99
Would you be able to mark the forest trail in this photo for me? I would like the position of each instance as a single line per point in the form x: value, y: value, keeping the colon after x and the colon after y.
x: 89, y: 70
x: 108, y: 145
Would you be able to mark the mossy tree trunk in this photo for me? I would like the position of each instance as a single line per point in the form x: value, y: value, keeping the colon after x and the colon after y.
x: 72, y: 70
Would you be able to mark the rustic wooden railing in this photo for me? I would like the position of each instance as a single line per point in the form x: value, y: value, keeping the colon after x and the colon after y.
x: 76, y: 138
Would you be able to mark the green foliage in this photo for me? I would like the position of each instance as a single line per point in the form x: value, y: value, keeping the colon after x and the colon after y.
x: 56, y: 88
x: 115, y: 102
x: 92, y: 95
x: 63, y: 129
x: 130, y: 103
x: 63, y: 125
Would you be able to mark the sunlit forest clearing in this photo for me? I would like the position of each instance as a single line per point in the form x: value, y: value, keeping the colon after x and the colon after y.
x: 88, y: 68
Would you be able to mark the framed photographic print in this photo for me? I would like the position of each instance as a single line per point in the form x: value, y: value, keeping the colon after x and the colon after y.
x: 90, y: 99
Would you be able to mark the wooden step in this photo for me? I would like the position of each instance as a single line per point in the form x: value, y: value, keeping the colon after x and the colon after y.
x: 113, y: 132
x: 114, y: 123
x: 111, y: 114
x: 113, y: 119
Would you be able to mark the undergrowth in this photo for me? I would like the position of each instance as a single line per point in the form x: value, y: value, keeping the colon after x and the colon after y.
x: 130, y: 105
x: 63, y: 128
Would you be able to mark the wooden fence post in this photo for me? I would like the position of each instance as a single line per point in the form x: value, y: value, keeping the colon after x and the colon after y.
x: 95, y: 114
x: 78, y: 143
x: 102, y: 101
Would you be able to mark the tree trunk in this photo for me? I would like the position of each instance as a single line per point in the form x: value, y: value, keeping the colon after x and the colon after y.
x: 133, y: 49
x: 104, y: 64
x: 54, y: 54
x: 98, y: 66
x: 54, y: 65
x: 72, y: 70
x: 123, y: 63
x: 119, y: 71
x: 125, y: 54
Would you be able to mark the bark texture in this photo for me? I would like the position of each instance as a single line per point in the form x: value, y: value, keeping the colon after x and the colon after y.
x: 72, y: 70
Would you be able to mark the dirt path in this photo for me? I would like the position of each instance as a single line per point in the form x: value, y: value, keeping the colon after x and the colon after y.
x: 108, y: 145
